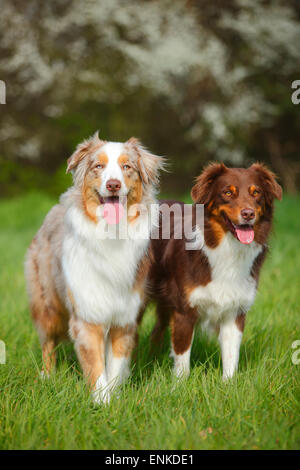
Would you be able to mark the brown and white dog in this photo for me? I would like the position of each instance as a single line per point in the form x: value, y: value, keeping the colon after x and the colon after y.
x: 217, y: 283
x: 86, y: 286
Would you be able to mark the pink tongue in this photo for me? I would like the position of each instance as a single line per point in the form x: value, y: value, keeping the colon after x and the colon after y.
x: 113, y: 212
x: 245, y: 235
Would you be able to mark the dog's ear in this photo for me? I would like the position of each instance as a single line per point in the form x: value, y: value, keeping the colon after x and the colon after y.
x: 82, y: 150
x: 271, y: 188
x: 148, y: 164
x: 201, y: 191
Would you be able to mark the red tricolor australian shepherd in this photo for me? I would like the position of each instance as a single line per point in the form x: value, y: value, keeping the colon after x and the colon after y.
x: 217, y: 283
x: 89, y: 287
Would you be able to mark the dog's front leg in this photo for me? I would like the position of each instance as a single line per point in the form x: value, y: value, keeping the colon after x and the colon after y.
x: 89, y: 341
x: 182, y: 333
x: 121, y: 341
x: 230, y: 337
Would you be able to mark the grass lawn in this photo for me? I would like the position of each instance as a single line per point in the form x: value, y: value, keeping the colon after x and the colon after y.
x: 258, y: 409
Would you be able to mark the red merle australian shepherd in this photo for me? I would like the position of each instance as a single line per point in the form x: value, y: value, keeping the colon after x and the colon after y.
x: 217, y: 283
x: 85, y: 286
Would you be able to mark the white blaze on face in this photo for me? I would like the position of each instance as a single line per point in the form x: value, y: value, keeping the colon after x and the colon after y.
x: 113, y: 150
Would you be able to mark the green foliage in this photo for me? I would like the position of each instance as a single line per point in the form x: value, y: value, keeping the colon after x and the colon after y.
x: 17, y: 178
x: 258, y: 409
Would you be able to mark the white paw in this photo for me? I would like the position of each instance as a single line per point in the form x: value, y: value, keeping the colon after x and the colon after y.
x: 101, y: 397
x: 181, y: 364
x: 181, y: 372
x: 227, y: 376
x: 101, y: 394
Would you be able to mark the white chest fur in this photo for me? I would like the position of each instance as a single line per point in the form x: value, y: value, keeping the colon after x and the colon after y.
x: 101, y: 272
x: 232, y: 288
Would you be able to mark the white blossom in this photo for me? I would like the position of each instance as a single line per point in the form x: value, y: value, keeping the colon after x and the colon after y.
x: 161, y: 46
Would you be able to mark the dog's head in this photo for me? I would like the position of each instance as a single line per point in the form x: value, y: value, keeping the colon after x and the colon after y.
x: 112, y: 172
x: 238, y: 199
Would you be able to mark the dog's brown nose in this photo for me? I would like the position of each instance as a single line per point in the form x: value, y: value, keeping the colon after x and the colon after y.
x: 248, y: 214
x: 113, y: 185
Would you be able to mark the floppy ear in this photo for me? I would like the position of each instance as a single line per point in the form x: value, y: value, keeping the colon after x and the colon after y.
x: 201, y: 191
x: 272, y: 188
x: 82, y: 150
x: 147, y: 163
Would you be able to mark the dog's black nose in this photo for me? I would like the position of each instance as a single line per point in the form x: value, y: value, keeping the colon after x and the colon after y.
x: 113, y: 185
x: 248, y: 214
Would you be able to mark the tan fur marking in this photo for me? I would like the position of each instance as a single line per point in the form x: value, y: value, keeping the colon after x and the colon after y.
x: 133, y: 183
x: 122, y: 340
x: 90, y: 201
x: 47, y: 312
x: 123, y: 159
x: 49, y: 356
x: 72, y: 300
x: 92, y: 181
x: 188, y: 289
x: 142, y: 273
x: 218, y: 230
x: 252, y: 189
x: 102, y: 158
x: 232, y: 213
x: 91, y: 352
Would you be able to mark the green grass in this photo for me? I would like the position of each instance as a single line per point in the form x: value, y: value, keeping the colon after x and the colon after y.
x: 258, y: 409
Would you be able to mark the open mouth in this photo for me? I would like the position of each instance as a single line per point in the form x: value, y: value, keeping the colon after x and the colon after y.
x: 110, y: 200
x: 113, y: 208
x: 243, y: 233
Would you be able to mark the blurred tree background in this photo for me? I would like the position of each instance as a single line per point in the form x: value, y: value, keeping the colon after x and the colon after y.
x: 194, y: 80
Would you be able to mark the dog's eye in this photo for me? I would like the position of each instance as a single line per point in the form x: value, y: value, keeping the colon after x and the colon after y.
x: 255, y: 192
x: 126, y: 167
x: 228, y: 193
x: 99, y: 166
